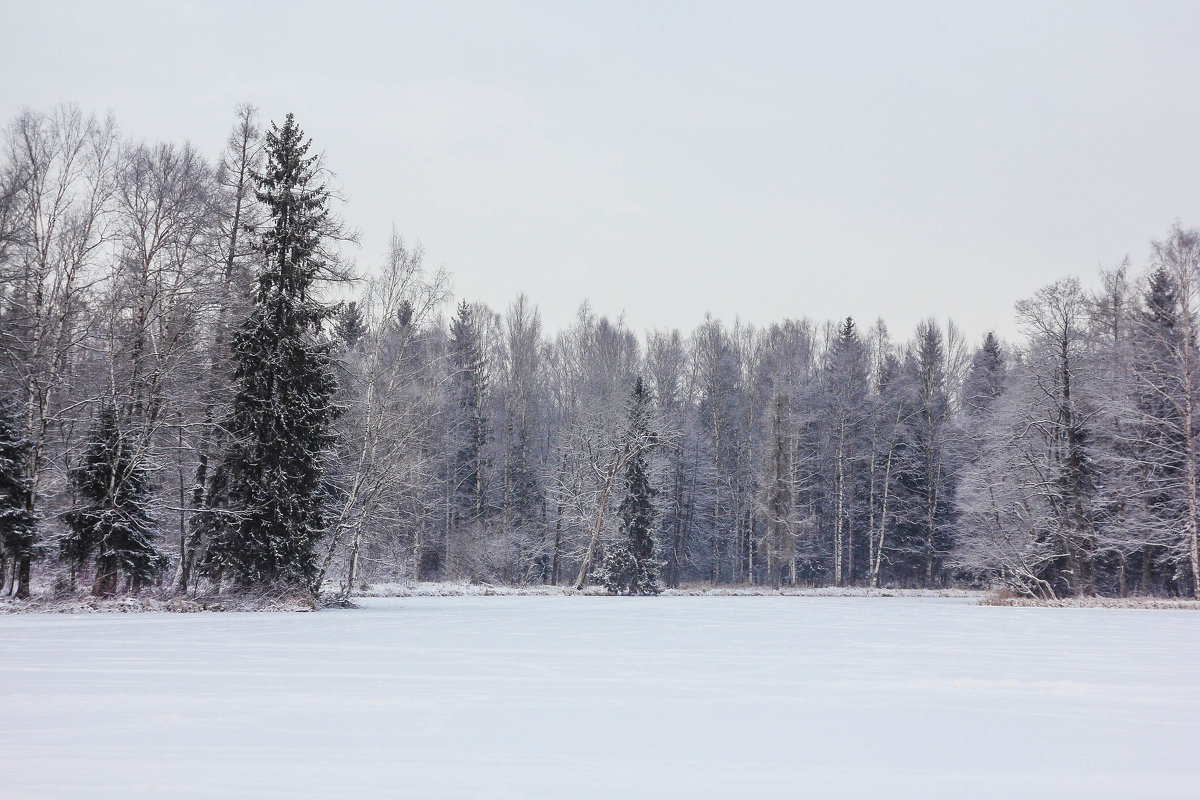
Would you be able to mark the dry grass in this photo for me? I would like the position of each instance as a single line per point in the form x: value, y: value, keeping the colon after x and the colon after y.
x: 1005, y: 597
x: 468, y: 589
x: 161, y: 602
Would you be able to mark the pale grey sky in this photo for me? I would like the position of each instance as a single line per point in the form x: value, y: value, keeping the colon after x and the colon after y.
x: 758, y: 160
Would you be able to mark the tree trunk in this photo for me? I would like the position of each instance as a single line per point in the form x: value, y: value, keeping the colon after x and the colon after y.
x: 877, y: 562
x: 839, y: 505
x: 1193, y: 510
x: 557, y: 548
x: 586, y: 566
x: 23, y: 577
x: 105, y: 584
x: 352, y: 569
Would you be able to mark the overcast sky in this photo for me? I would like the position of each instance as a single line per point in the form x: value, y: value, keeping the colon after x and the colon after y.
x: 752, y: 160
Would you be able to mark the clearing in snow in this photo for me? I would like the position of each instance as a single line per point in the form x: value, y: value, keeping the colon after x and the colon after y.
x: 595, y: 697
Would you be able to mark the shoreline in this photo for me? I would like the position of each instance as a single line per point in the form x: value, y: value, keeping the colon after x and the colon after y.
x: 86, y: 604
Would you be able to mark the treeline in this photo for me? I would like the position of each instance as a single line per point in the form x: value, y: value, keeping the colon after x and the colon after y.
x: 187, y: 408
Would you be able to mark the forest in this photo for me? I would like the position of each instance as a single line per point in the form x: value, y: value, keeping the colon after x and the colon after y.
x: 202, y: 394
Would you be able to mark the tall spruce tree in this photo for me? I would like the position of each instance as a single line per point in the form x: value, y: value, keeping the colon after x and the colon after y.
x: 349, y: 328
x: 845, y: 389
x: 628, y: 564
x: 930, y: 480
x: 985, y: 378
x: 281, y: 422
x: 18, y: 525
x: 1159, y: 446
x: 470, y: 423
x: 113, y: 521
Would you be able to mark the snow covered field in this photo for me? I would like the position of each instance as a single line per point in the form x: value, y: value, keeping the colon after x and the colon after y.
x: 590, y: 697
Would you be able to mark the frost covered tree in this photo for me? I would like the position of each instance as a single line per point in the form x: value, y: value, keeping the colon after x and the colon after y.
x: 666, y: 365
x: 58, y: 213
x: 138, y: 278
x: 153, y: 305
x: 890, y: 407
x: 236, y: 211
x: 1061, y: 363
x: 592, y: 366
x: 756, y: 388
x: 18, y: 525
x: 113, y: 522
x: 349, y: 327
x: 469, y: 424
x: 718, y: 377
x: 522, y: 430
x: 985, y: 377
x: 387, y: 414
x: 843, y: 398
x: 467, y: 438
x: 778, y: 498
x: 1029, y: 497
x: 1167, y: 388
x: 931, y: 478
x: 628, y: 563
x: 281, y: 425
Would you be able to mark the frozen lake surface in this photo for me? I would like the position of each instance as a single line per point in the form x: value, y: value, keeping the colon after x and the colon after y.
x: 594, y: 697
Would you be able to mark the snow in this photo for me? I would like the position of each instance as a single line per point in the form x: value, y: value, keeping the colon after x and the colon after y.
x: 589, y: 697
x: 464, y: 588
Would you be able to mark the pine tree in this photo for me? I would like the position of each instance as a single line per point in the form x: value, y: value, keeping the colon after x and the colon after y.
x: 628, y: 564
x: 283, y: 411
x: 18, y: 525
x: 113, y: 521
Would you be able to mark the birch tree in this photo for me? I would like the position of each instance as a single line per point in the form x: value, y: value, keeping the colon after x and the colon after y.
x: 236, y: 212
x: 58, y: 231
x: 385, y: 414
x: 1167, y: 374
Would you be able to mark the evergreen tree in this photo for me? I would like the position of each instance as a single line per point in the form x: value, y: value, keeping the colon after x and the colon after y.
x: 283, y: 410
x: 1159, y: 446
x: 1160, y: 341
x: 845, y: 387
x: 470, y: 425
x: 931, y: 480
x: 349, y: 327
x: 628, y: 564
x: 113, y: 520
x: 985, y: 379
x: 18, y: 525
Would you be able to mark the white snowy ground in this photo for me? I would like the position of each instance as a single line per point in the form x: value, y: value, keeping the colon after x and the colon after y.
x: 590, y: 697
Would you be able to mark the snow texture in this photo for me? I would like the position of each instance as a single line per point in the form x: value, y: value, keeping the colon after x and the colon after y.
x: 590, y: 697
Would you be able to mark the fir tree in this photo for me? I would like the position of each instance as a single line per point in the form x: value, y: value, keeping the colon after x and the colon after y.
x: 985, y: 379
x: 931, y: 480
x: 113, y: 521
x: 1160, y: 343
x: 281, y: 421
x: 470, y: 425
x: 349, y: 328
x: 845, y: 387
x: 18, y: 525
x: 628, y: 563
x: 1159, y: 445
